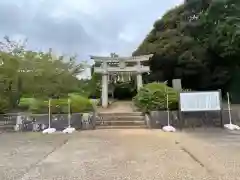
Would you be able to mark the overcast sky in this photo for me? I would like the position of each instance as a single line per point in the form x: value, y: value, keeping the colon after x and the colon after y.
x: 83, y: 27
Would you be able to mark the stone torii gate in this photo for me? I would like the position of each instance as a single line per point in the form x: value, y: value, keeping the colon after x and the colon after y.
x: 131, y: 65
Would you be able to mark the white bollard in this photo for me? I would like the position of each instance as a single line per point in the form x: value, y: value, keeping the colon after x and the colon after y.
x: 230, y: 126
x: 49, y: 130
x: 69, y: 129
x: 168, y: 128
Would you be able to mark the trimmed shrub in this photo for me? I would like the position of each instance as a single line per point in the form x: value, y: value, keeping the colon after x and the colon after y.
x: 78, y: 104
x: 38, y: 106
x: 25, y: 103
x: 153, y: 97
x: 59, y: 106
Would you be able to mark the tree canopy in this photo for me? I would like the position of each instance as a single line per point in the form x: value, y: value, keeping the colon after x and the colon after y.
x: 197, y: 41
x: 25, y: 73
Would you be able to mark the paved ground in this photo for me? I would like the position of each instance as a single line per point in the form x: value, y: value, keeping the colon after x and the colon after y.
x: 115, y: 155
x: 216, y: 149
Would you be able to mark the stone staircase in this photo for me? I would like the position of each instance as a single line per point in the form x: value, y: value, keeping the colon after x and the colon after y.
x: 120, y: 115
x: 120, y: 120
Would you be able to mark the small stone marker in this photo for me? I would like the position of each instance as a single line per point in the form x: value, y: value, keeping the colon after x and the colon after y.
x: 177, y: 84
x: 19, y: 123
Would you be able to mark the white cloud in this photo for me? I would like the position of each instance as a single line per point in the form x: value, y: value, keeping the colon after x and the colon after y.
x: 81, y: 26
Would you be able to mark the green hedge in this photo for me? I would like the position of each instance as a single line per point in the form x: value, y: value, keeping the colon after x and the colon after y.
x: 25, y: 103
x: 152, y: 97
x: 78, y: 104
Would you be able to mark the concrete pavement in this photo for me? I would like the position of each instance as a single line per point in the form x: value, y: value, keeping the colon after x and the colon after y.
x: 216, y: 149
x: 106, y: 155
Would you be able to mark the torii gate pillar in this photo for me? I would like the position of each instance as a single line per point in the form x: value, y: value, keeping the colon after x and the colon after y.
x: 105, y: 69
x: 104, y: 90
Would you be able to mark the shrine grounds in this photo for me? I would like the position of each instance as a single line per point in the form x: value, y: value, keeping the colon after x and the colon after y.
x: 121, y: 154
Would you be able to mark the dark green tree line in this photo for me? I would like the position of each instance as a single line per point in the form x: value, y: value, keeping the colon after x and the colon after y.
x: 197, y: 41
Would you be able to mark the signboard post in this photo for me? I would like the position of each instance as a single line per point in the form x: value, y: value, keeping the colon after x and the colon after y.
x: 200, y: 101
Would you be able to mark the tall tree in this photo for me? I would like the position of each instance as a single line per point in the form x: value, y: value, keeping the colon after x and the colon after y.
x: 30, y: 73
x: 197, y: 41
x: 177, y: 54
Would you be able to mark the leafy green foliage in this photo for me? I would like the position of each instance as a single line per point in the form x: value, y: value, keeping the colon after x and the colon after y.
x: 93, y: 87
x: 197, y: 42
x: 38, y: 106
x: 25, y: 103
x: 221, y: 26
x: 124, y: 90
x: 153, y: 96
x: 31, y: 74
x: 79, y: 104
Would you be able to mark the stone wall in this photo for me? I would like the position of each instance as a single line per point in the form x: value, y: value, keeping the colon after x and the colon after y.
x: 39, y: 122
x: 194, y: 119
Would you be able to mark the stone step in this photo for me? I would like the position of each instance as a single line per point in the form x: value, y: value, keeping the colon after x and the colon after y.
x: 122, y: 127
x: 120, y: 123
x: 122, y: 118
x: 120, y: 114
